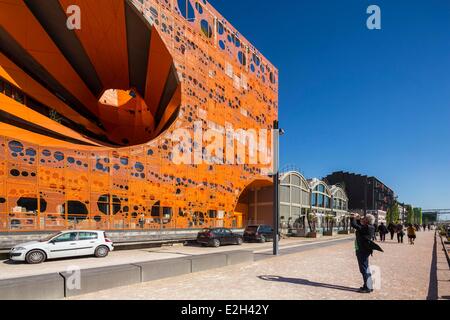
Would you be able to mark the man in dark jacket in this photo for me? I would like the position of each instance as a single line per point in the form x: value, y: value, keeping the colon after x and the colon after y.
x: 383, y: 231
x: 365, y: 231
x: 400, y: 233
x: 392, y: 230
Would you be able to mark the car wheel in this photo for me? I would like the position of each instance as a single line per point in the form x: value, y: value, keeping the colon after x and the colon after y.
x: 35, y: 257
x: 216, y: 243
x: 101, y: 252
x: 239, y: 241
x: 262, y: 240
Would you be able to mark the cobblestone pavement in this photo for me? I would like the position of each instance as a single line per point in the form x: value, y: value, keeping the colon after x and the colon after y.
x: 322, y: 273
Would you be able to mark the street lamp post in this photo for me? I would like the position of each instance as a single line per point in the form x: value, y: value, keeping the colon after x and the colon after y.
x: 276, y: 185
x: 276, y: 177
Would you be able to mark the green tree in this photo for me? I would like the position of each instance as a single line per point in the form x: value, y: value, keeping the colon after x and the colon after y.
x: 389, y: 215
x: 418, y: 217
x: 393, y: 214
x: 410, y: 214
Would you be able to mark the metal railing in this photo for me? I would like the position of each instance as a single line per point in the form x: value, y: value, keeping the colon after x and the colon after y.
x: 23, y: 222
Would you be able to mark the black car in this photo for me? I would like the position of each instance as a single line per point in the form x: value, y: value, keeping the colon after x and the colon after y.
x: 216, y: 237
x: 258, y: 233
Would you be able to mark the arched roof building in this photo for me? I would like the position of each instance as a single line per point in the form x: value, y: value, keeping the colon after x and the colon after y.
x: 339, y: 200
x: 320, y: 197
x: 295, y: 200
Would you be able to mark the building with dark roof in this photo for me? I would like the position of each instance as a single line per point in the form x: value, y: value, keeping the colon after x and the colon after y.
x: 365, y: 194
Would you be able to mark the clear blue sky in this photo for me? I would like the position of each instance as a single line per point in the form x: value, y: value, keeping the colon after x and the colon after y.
x: 370, y: 102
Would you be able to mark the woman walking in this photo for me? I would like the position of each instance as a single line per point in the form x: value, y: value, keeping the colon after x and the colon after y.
x: 411, y: 230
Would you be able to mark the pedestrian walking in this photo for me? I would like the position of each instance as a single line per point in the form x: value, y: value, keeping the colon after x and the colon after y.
x: 400, y: 233
x: 392, y: 230
x: 411, y: 231
x: 375, y: 233
x: 383, y: 230
x: 364, y: 247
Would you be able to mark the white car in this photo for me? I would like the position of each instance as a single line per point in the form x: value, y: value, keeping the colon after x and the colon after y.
x: 65, y: 244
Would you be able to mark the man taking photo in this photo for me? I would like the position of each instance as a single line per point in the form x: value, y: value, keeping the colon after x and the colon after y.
x: 364, y: 246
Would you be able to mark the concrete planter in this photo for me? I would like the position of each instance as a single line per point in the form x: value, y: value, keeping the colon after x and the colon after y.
x: 346, y: 232
x: 329, y: 233
x: 352, y: 231
x: 313, y: 235
x: 297, y: 233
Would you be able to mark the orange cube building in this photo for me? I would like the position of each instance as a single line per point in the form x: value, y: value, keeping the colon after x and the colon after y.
x: 93, y: 97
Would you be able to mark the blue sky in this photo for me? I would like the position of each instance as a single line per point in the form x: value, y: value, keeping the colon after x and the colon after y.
x: 371, y: 102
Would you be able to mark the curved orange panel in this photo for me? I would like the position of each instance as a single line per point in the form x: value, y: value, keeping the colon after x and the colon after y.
x: 107, y: 50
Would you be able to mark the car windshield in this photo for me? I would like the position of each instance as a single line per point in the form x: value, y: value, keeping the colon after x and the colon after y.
x: 50, y: 237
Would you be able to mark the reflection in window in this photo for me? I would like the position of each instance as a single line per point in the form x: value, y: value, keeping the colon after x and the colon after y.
x: 155, y: 210
x: 212, y: 214
x: 31, y: 204
x: 72, y: 236
x: 76, y: 210
x: 167, y: 213
x: 8, y: 90
x: 314, y: 199
x: 106, y: 203
x: 198, y: 218
x: 320, y: 200
x: 87, y: 236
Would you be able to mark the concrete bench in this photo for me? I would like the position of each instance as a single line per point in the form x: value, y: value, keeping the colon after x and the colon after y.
x: 69, y: 284
x: 40, y: 287
x: 155, y: 270
x: 207, y: 262
x: 97, y: 279
x: 238, y: 257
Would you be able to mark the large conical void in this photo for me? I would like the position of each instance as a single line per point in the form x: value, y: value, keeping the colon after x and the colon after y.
x: 116, y: 52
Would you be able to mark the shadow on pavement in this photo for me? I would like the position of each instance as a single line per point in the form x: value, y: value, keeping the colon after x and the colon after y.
x: 47, y: 262
x: 307, y: 283
x: 433, y: 285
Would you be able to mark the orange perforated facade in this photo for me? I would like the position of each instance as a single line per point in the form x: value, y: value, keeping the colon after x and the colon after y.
x: 88, y: 115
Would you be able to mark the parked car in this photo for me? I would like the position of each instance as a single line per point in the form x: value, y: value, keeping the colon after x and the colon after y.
x: 215, y: 237
x: 65, y: 244
x: 258, y: 233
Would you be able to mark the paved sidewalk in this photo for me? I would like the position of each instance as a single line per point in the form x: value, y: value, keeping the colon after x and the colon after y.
x: 323, y: 273
x: 9, y: 269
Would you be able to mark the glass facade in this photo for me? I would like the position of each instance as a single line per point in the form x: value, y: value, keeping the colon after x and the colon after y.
x: 294, y: 196
x: 321, y: 195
